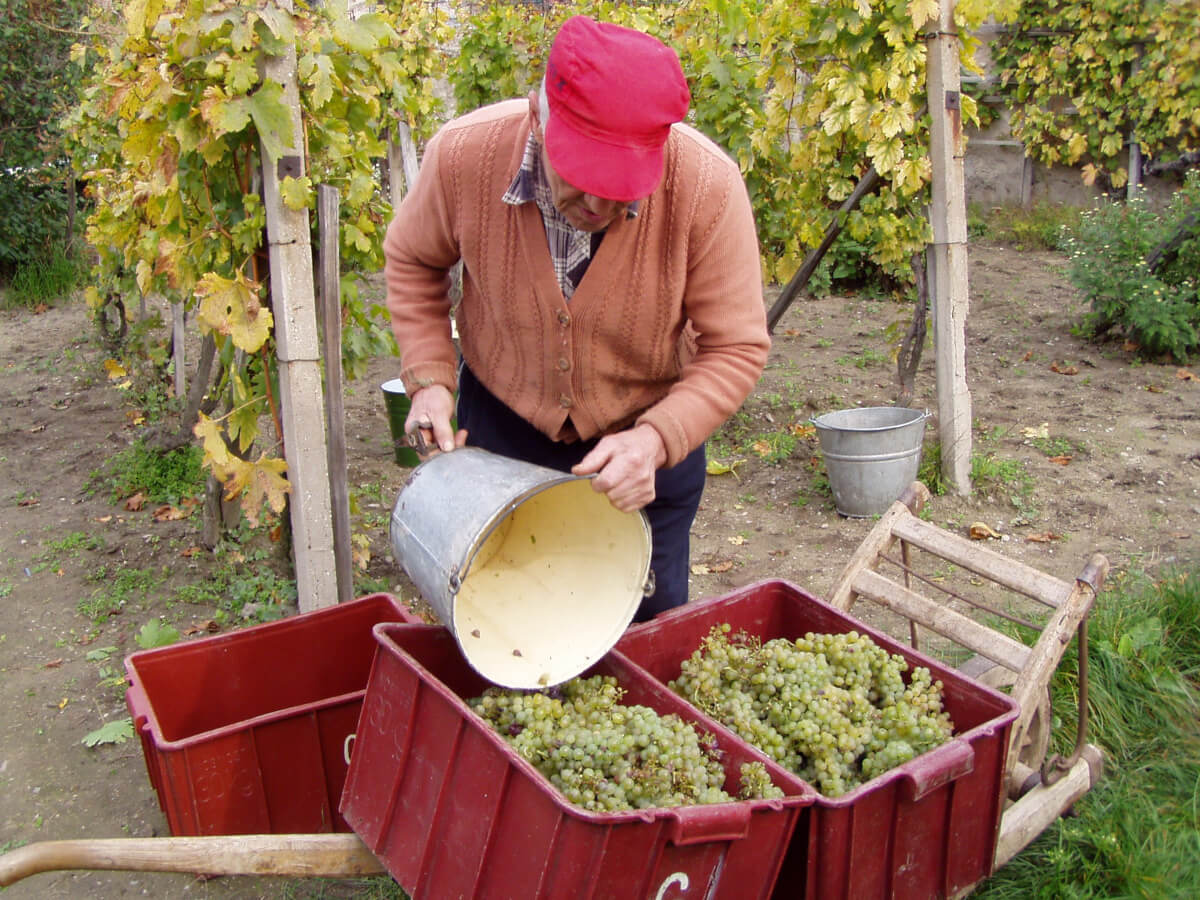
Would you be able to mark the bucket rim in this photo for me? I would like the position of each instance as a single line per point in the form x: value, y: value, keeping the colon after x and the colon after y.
x: 921, y: 416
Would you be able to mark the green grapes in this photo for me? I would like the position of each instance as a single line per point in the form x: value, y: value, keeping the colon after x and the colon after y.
x: 605, y: 756
x: 833, y: 708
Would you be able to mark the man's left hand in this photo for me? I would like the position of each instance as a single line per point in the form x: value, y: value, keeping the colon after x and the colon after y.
x: 624, y: 465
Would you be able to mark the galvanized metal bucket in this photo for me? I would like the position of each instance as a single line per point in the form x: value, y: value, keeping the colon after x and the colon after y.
x: 536, y: 574
x: 871, y: 455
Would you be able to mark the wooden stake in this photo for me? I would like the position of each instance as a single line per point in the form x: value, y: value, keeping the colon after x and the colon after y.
x: 331, y: 338
x: 178, y: 335
x: 402, y: 163
x: 947, y: 257
x: 294, y: 306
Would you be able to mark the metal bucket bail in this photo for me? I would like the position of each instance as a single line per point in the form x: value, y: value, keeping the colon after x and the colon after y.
x: 534, y: 573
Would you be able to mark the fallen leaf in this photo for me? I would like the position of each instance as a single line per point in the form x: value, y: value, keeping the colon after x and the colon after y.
x: 62, y: 704
x: 53, y: 664
x: 40, y: 308
x: 189, y: 552
x: 1129, y: 346
x: 104, y: 520
x: 1041, y: 431
x: 210, y: 626
x: 1155, y: 389
x: 1044, y: 537
x: 803, y: 429
x: 36, y: 428
x: 62, y: 404
x: 737, y: 540
x: 1186, y: 375
x: 168, y: 513
x: 136, y: 502
x: 792, y: 332
x: 723, y: 566
x: 980, y: 531
x: 701, y: 569
x: 1181, y: 535
x: 1028, y: 356
x: 1064, y: 369
x: 28, y: 501
x: 1061, y: 460
x: 762, y: 448
x: 135, y: 417
x: 114, y: 369
x: 716, y: 467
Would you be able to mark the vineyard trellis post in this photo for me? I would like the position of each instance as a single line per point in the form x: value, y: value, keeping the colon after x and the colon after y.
x: 947, y: 254
x: 293, y: 301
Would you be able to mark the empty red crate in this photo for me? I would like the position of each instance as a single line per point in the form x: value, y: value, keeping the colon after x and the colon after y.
x: 925, y: 829
x: 453, y: 811
x: 245, y: 732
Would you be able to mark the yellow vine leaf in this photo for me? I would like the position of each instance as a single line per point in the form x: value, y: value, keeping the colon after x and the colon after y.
x: 216, y: 454
x: 259, y: 482
x: 295, y: 192
x: 231, y: 307
x: 922, y: 11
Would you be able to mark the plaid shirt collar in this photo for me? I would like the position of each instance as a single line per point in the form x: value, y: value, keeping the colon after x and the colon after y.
x: 570, y: 249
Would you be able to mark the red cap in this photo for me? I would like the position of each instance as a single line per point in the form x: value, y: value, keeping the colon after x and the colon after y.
x: 614, y: 93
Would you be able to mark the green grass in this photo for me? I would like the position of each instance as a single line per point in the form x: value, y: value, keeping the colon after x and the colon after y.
x: 45, y: 281
x: 1137, y: 833
x: 161, y: 477
x: 1041, y: 227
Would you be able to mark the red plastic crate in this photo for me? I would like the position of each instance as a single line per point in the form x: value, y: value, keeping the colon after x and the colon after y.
x: 244, y: 733
x: 453, y: 811
x: 925, y: 829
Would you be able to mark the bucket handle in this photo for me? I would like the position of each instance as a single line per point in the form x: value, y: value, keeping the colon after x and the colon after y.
x: 650, y: 586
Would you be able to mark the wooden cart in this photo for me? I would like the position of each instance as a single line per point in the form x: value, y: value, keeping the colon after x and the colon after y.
x: 891, y: 568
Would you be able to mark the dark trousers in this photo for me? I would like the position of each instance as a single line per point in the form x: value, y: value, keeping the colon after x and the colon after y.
x: 494, y: 427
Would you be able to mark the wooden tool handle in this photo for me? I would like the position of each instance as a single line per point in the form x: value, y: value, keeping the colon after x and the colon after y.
x: 312, y: 855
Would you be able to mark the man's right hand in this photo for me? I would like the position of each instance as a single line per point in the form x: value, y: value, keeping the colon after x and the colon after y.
x: 429, y: 421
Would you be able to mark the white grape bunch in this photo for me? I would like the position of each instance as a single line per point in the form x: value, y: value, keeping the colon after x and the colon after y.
x: 606, y: 756
x: 833, y: 708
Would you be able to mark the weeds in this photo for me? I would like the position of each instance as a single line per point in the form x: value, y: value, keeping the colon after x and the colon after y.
x: 161, y: 477
x: 121, y: 589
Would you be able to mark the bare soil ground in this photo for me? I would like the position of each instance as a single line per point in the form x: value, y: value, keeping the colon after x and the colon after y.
x: 1087, y: 450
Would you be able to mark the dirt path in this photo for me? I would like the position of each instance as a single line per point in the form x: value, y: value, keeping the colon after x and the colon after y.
x: 1130, y: 489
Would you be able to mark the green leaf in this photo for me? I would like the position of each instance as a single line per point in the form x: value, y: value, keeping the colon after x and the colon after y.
x: 100, y: 654
x: 118, y: 731
x: 296, y: 192
x: 272, y: 118
x: 156, y: 633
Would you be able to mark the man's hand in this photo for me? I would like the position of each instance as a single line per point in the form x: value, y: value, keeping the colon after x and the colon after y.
x: 625, y: 463
x: 428, y: 421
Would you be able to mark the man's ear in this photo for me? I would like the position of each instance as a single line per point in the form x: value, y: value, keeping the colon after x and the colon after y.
x: 534, y: 111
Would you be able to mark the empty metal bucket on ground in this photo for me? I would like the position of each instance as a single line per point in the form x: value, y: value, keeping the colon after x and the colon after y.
x: 871, y: 455
x: 536, y: 574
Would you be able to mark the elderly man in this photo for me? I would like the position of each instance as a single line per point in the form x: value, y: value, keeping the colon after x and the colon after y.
x: 612, y: 314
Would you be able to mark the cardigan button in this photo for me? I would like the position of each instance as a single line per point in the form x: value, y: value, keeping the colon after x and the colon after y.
x: 564, y: 318
x: 565, y: 402
x: 564, y: 364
